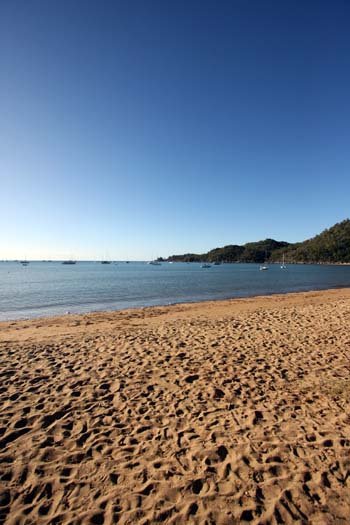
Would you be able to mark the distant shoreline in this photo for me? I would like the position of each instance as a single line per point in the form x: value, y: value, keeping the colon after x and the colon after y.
x: 313, y: 263
x: 164, y: 261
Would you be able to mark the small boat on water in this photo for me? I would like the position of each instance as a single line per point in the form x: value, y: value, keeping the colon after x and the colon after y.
x: 24, y: 263
x: 283, y: 266
x: 155, y: 263
x: 69, y: 262
x: 264, y: 267
x: 205, y: 265
x: 105, y: 262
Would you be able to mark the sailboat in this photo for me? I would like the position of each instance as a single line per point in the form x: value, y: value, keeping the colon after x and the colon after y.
x: 264, y: 266
x: 283, y: 266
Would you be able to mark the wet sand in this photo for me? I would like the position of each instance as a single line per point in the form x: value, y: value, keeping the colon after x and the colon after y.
x: 209, y: 413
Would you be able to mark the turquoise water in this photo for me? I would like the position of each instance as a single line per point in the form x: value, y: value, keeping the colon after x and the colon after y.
x: 43, y: 289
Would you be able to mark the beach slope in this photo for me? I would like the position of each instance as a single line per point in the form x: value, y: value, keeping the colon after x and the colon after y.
x: 209, y: 413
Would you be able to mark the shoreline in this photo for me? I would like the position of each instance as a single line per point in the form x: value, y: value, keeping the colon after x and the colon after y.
x: 89, y: 320
x: 168, y: 305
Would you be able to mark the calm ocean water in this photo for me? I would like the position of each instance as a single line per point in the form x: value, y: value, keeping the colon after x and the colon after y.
x: 43, y: 289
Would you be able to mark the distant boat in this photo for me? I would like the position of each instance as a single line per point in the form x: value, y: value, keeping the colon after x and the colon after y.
x: 205, y: 265
x: 264, y: 266
x: 283, y: 266
x: 217, y: 263
x: 24, y: 263
x: 69, y: 262
x: 155, y: 263
x: 105, y: 262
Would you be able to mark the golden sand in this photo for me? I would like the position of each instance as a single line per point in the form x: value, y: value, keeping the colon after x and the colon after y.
x: 212, y: 413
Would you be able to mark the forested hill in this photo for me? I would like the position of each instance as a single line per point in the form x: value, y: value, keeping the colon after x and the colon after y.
x: 332, y: 245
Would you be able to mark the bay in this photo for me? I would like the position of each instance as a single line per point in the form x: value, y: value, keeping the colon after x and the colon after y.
x: 51, y: 288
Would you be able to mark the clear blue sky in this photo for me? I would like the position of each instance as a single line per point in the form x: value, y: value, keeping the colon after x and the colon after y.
x: 134, y: 129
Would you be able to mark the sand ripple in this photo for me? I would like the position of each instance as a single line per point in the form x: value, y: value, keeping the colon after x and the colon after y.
x: 215, y: 414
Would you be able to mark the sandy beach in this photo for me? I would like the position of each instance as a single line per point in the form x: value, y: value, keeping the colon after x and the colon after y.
x: 209, y: 413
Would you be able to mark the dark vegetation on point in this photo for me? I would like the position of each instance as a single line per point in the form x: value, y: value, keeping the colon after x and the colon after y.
x: 330, y: 246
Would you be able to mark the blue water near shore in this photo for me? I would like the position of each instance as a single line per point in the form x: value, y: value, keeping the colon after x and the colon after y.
x: 50, y: 288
